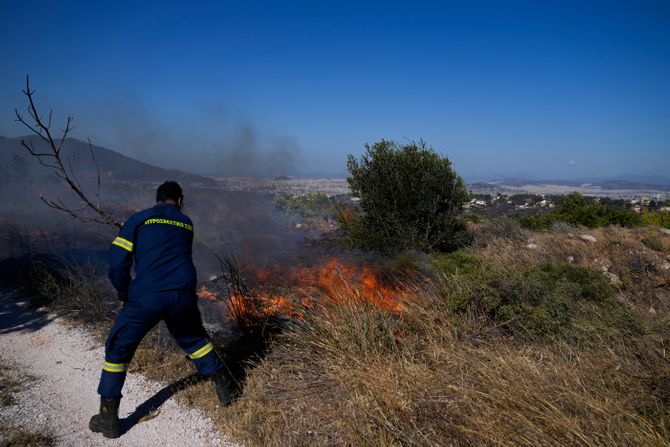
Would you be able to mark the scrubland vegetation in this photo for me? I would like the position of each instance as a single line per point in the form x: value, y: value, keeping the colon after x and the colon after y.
x: 506, y: 346
x: 576, y: 209
x: 563, y: 344
x: 514, y: 331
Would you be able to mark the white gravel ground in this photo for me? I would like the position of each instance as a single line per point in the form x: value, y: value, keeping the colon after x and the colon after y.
x: 59, y: 367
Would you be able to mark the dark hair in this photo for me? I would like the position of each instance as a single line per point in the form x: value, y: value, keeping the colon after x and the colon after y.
x: 169, y: 191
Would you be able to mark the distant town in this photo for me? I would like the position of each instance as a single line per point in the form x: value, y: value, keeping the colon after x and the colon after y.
x: 499, y: 203
x: 499, y: 197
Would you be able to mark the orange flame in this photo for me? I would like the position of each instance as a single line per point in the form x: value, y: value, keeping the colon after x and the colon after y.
x: 206, y: 294
x: 290, y: 293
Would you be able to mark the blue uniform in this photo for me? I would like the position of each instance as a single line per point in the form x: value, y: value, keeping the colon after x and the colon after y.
x: 159, y: 242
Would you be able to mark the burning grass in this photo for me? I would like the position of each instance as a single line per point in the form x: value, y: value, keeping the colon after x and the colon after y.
x: 290, y: 293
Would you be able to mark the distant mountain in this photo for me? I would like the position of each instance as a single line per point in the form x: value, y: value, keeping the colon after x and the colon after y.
x: 124, y: 180
x: 15, y: 161
x: 625, y: 183
x: 642, y: 179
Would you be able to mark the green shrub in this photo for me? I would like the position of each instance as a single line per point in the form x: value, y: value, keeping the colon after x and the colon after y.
x: 660, y: 218
x: 576, y: 209
x: 536, y: 223
x: 472, y: 217
x: 551, y: 301
x: 461, y: 262
x: 411, y: 198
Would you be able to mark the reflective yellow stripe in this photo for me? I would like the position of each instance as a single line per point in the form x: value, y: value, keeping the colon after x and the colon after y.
x: 176, y: 223
x: 202, y: 351
x: 115, y: 367
x: 123, y: 243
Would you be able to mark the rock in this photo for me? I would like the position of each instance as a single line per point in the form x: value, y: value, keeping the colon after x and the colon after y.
x: 659, y: 281
x: 665, y: 266
x: 614, y: 279
x: 603, y: 264
x: 665, y: 231
x: 652, y: 310
x: 570, y: 259
x: 588, y: 238
x: 298, y: 226
x: 531, y: 246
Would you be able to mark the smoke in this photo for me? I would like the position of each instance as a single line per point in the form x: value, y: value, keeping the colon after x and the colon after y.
x: 215, y: 141
x: 247, y: 152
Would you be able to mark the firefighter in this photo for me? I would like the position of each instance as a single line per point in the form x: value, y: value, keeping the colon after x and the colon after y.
x: 159, y: 242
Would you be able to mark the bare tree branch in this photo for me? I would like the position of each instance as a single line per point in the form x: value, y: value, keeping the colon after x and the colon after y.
x: 66, y: 169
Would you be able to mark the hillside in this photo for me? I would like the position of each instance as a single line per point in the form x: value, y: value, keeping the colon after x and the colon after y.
x: 18, y: 165
x: 23, y: 180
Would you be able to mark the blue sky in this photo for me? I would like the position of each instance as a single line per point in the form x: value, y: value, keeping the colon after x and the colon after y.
x: 551, y: 89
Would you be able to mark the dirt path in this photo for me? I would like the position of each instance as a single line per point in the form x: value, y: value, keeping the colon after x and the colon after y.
x: 58, y: 368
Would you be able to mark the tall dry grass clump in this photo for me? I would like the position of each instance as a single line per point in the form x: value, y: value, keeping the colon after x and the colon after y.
x: 78, y: 291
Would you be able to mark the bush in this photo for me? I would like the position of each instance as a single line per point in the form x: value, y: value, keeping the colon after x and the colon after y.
x: 552, y: 301
x: 411, y: 198
x: 661, y: 218
x: 576, y: 209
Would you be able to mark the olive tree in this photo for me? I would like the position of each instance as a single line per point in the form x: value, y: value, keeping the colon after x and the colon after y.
x: 411, y: 198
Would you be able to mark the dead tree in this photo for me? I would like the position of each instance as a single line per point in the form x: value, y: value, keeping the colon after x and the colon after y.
x: 65, y: 168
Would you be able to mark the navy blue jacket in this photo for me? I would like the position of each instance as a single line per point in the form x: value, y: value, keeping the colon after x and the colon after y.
x: 159, y: 240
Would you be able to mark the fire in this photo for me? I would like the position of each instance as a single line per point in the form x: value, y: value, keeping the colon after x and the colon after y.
x: 289, y: 293
x: 206, y: 294
x: 335, y: 280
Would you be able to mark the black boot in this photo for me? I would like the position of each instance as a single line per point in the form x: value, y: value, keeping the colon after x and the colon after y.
x: 107, y: 422
x: 224, y: 390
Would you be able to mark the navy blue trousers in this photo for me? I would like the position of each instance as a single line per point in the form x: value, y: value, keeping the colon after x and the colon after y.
x: 179, y: 310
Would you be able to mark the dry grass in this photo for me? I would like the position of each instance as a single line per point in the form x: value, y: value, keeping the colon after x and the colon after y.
x: 8, y: 386
x: 22, y: 438
x: 618, y: 251
x: 78, y: 291
x: 357, y: 376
